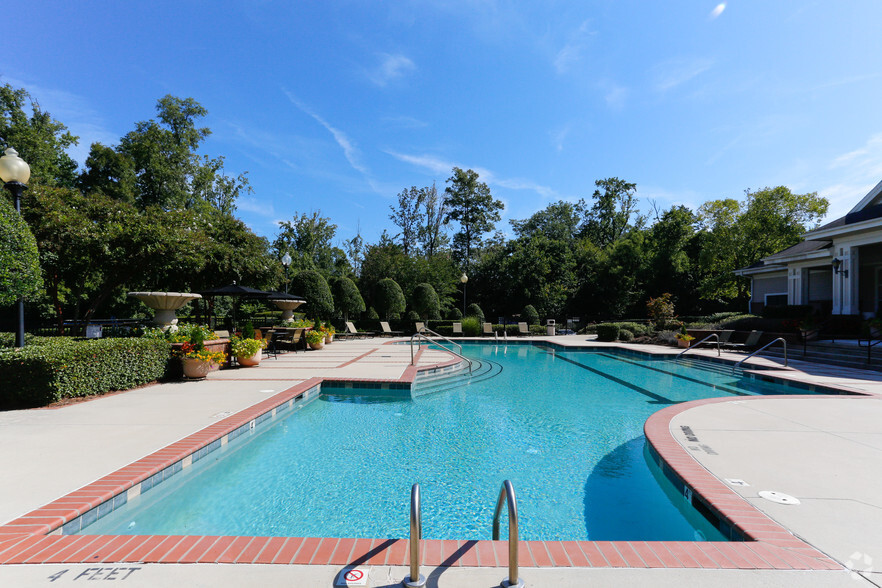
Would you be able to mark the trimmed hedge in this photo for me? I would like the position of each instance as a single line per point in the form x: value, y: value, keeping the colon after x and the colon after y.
x: 54, y: 368
x: 607, y: 332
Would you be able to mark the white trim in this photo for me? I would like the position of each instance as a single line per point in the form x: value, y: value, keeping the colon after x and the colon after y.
x: 767, y: 269
x: 871, y: 195
x: 867, y: 225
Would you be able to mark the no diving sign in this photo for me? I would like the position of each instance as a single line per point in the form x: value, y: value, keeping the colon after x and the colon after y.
x: 352, y: 577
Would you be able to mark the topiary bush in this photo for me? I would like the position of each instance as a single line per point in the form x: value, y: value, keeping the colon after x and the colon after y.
x: 62, y: 367
x: 475, y: 311
x: 607, y: 332
x: 454, y: 315
x: 530, y: 315
x: 625, y: 335
x: 20, y: 275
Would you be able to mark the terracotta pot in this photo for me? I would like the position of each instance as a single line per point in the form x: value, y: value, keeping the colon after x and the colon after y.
x: 329, y: 338
x: 195, y: 369
x: 250, y: 361
x: 319, y: 345
x: 683, y: 343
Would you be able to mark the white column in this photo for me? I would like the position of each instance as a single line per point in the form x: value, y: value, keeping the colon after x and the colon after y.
x: 846, y: 298
x: 794, y: 285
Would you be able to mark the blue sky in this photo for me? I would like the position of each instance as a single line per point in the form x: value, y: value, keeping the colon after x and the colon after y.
x: 338, y: 106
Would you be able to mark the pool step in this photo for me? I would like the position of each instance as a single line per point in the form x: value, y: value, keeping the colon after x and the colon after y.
x: 481, y: 370
x: 831, y: 354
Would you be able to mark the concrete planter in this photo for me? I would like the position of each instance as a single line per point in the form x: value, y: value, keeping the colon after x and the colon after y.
x: 250, y: 361
x: 195, y: 369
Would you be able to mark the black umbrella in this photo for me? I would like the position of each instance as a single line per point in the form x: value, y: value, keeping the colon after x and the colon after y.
x: 274, y: 295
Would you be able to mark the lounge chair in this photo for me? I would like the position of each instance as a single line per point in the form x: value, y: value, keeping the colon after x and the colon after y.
x: 523, y: 330
x: 347, y: 333
x: 725, y: 336
x: 487, y: 328
x: 457, y: 328
x: 387, y: 330
x: 751, y: 342
x: 350, y: 328
x: 420, y: 327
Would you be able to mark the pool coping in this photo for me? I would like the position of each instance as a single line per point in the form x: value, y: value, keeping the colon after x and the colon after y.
x: 36, y: 537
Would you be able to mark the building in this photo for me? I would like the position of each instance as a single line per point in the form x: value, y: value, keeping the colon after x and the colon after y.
x: 837, y: 268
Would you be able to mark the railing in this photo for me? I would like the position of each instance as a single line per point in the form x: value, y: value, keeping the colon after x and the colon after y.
x: 507, y: 494
x: 871, y: 342
x: 763, y: 348
x: 700, y: 342
x: 421, y: 334
x: 416, y: 579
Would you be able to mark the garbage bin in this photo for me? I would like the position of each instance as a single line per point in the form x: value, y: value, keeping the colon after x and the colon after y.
x: 549, y: 327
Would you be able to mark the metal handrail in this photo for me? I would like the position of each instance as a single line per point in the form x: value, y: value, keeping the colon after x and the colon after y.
x: 421, y: 333
x: 415, y: 579
x: 700, y: 342
x: 507, y: 494
x: 763, y: 348
x: 871, y: 342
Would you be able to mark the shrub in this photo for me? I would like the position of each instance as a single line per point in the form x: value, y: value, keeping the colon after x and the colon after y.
x: 471, y: 326
x: 530, y: 315
x: 312, y: 285
x: 20, y: 275
x: 475, y: 311
x: 625, y: 335
x: 668, y: 337
x: 425, y: 301
x: 413, y: 316
x: 454, y: 315
x: 607, y: 332
x: 389, y: 298
x: 347, y: 298
x: 372, y: 314
x: 636, y: 328
x: 62, y: 367
x: 660, y: 309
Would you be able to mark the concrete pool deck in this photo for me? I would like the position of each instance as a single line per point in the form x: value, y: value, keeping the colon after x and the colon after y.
x: 823, y: 451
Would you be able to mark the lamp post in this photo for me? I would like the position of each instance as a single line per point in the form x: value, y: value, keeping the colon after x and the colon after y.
x: 464, y: 279
x: 286, y: 262
x: 15, y: 174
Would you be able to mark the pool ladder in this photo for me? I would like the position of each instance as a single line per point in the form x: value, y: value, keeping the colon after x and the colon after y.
x: 506, y: 496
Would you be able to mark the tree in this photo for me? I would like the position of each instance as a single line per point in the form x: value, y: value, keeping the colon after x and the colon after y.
x: 39, y: 139
x: 470, y: 203
x: 312, y: 285
x: 389, y: 299
x: 406, y: 217
x: 347, y: 298
x: 109, y: 172
x: 475, y: 311
x: 558, y: 221
x: 610, y: 216
x: 19, y: 259
x: 425, y: 302
x: 307, y: 239
x: 530, y: 315
x: 430, y: 234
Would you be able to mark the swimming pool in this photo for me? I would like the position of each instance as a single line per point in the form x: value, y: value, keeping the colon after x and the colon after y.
x: 564, y: 426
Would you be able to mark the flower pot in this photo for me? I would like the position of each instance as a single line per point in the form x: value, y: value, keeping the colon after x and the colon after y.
x: 319, y: 345
x: 329, y: 338
x: 249, y: 361
x: 683, y: 343
x: 195, y: 369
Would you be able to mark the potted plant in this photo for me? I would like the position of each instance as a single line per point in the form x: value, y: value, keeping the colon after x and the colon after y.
x: 315, y: 338
x: 329, y: 331
x: 684, y: 339
x: 197, y: 361
x: 248, y: 350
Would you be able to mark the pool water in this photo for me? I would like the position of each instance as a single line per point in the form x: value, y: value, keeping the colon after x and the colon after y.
x: 566, y: 427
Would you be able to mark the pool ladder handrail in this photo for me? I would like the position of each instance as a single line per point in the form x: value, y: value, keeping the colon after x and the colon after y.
x: 507, y: 494
x: 699, y: 343
x: 421, y: 334
x: 763, y: 348
x: 415, y: 579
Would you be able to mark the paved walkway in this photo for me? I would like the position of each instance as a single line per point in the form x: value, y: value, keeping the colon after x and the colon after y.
x: 823, y: 451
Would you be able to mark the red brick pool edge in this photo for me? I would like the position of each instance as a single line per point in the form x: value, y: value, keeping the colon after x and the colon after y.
x: 36, y: 538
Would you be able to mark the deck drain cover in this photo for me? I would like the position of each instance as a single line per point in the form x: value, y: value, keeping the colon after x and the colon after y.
x: 778, y: 497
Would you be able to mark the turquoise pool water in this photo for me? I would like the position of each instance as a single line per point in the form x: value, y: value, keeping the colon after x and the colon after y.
x: 566, y: 427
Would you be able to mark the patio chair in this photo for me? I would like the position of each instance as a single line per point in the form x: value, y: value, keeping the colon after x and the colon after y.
x: 419, y: 326
x: 387, y: 330
x: 457, y: 328
x: 271, y: 350
x: 222, y: 334
x: 725, y: 336
x: 292, y: 340
x: 751, y: 342
x: 523, y: 330
x: 487, y: 328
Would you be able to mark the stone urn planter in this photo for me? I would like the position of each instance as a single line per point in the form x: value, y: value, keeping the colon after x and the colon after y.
x: 195, y: 369
x: 317, y: 344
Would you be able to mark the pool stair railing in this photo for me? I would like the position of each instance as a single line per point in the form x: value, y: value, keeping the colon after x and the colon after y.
x: 763, y: 348
x: 507, y: 495
x: 430, y: 383
x: 423, y: 335
x: 415, y: 579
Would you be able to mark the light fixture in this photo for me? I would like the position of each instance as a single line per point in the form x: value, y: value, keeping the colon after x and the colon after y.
x: 15, y: 174
x: 837, y: 267
x: 286, y: 262
x: 463, y: 279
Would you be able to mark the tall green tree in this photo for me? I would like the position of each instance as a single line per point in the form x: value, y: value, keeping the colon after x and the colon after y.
x: 312, y: 285
x: 39, y: 139
x: 308, y: 239
x: 389, y: 299
x: 425, y: 302
x: 347, y: 298
x: 431, y: 231
x: 406, y: 217
x: 469, y: 203
x: 609, y: 218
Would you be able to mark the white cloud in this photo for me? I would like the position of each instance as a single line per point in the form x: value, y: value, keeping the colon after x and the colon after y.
x: 614, y: 95
x: 390, y: 68
x: 852, y: 175
x: 436, y: 165
x: 253, y: 205
x: 717, y: 11
x: 675, y: 72
x: 559, y: 136
x: 571, y: 53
